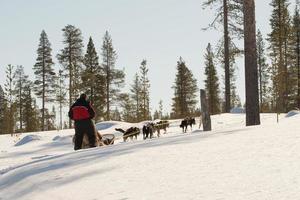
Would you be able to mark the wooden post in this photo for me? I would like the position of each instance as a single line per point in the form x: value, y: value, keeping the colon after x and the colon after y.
x: 205, y: 112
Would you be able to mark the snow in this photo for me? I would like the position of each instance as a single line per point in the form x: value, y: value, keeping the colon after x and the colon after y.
x: 27, y: 139
x: 231, y: 162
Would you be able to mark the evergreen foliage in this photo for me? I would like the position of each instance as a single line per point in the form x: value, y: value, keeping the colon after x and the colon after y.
x: 211, y: 82
x: 71, y: 59
x: 136, y: 96
x: 93, y: 81
x: 44, y: 74
x: 114, y: 78
x: 61, y: 96
x: 263, y: 74
x: 9, y: 87
x: 185, y: 92
x: 145, y: 87
x: 21, y: 82
x: 279, y: 48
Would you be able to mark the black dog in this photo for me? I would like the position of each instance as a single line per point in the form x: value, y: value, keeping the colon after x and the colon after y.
x: 187, y: 122
x: 132, y: 131
x: 148, y: 130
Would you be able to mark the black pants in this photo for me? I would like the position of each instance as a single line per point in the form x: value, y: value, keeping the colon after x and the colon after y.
x: 84, y: 127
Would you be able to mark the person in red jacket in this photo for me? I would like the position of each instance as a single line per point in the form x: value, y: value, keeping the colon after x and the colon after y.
x: 82, y: 113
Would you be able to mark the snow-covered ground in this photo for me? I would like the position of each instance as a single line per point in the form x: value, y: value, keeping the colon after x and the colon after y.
x: 231, y: 162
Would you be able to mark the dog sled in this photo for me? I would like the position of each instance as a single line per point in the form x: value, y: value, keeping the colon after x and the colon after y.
x: 101, y: 140
x: 107, y: 139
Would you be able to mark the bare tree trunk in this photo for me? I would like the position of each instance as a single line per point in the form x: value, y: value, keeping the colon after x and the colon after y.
x: 252, y: 99
x: 205, y: 112
x: 226, y: 58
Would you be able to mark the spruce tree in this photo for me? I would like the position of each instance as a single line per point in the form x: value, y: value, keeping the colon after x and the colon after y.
x: 44, y: 74
x: 93, y: 79
x: 263, y: 73
x: 145, y: 86
x: 211, y: 82
x: 136, y: 96
x: 71, y: 59
x: 185, y: 92
x: 92, y: 67
x: 114, y: 78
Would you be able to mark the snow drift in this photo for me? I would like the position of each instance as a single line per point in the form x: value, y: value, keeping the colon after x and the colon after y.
x: 27, y: 139
x: 231, y: 162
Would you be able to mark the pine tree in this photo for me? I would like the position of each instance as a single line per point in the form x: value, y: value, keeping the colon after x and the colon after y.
x: 136, y: 96
x: 228, y: 14
x: 263, y: 73
x: 93, y: 79
x: 252, y: 97
x: 9, y: 87
x: 295, y: 58
x: 234, y: 52
x: 20, y: 81
x: 185, y: 91
x: 44, y: 74
x: 145, y: 86
x: 211, y: 82
x: 279, y: 40
x: 114, y: 78
x: 71, y: 59
x: 61, y: 96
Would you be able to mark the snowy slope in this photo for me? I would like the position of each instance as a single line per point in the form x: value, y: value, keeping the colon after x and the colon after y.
x: 231, y: 162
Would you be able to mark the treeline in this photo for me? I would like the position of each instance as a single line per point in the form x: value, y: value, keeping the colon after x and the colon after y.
x: 278, y: 61
x: 58, y: 85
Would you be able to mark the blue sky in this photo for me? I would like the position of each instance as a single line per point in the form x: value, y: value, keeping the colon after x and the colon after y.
x: 159, y: 31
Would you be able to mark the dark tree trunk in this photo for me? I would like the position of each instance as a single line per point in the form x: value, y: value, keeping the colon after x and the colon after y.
x: 298, y: 66
x: 260, y: 82
x: 252, y: 99
x: 70, y: 84
x: 107, y: 89
x: 205, y: 112
x: 226, y: 58
x: 280, y: 101
x: 43, y: 92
